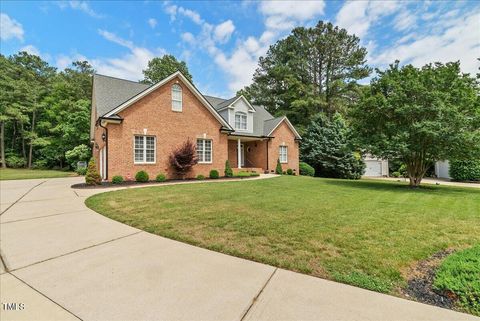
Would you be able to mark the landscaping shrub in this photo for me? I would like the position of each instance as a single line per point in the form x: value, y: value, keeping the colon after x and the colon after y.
x: 141, y: 176
x: 92, y: 177
x: 396, y: 174
x: 289, y: 171
x: 329, y: 148
x: 468, y: 170
x: 13, y: 161
x: 242, y: 174
x: 161, y: 178
x: 200, y: 177
x: 278, y: 169
x: 77, y: 154
x: 117, y: 179
x: 403, y: 170
x: 184, y: 158
x: 306, y: 169
x: 43, y: 164
x: 254, y: 174
x: 214, y: 174
x: 81, y: 171
x: 228, y: 169
x: 460, y: 274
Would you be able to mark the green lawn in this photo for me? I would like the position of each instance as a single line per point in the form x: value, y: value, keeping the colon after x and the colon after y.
x: 365, y: 233
x: 22, y: 173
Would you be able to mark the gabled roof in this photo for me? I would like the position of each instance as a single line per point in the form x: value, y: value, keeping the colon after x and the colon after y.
x: 272, y: 124
x: 139, y: 95
x: 110, y: 92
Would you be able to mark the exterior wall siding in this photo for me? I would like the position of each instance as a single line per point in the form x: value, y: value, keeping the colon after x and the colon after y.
x: 153, y: 115
x: 283, y: 135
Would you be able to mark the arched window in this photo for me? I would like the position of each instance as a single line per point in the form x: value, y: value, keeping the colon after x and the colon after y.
x: 176, y: 97
x: 240, y: 120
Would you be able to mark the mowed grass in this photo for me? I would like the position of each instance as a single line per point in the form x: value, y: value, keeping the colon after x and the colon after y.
x: 22, y: 173
x: 365, y: 233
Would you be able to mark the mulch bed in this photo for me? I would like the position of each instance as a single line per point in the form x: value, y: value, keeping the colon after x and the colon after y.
x: 150, y: 183
x: 420, y: 284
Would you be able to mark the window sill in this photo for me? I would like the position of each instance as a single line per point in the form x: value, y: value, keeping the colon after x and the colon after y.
x: 204, y: 163
x: 177, y: 111
x: 136, y: 163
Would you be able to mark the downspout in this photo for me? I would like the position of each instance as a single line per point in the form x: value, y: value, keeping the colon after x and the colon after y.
x: 267, y: 154
x: 106, y: 148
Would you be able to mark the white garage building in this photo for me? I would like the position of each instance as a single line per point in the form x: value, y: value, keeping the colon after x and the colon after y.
x: 442, y: 169
x: 375, y: 167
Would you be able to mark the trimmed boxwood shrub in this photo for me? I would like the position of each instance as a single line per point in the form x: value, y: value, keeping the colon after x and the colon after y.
x: 161, y: 178
x: 214, y: 174
x: 289, y: 171
x: 306, y: 169
x: 141, y: 176
x: 228, y: 169
x: 254, y: 174
x: 465, y: 170
x: 117, y: 179
x: 242, y: 174
x: 200, y: 177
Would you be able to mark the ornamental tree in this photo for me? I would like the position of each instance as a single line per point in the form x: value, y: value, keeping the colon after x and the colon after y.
x: 328, y: 148
x: 183, y: 158
x: 420, y: 115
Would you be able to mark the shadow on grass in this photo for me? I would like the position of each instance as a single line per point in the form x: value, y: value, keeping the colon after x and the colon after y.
x: 397, y: 186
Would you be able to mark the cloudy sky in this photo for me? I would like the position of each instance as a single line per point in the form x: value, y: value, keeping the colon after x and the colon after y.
x: 222, y: 41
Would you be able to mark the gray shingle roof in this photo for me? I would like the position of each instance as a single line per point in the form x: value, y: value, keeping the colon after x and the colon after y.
x: 110, y: 92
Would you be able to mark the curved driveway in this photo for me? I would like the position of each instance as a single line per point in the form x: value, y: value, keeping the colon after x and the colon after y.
x: 62, y: 261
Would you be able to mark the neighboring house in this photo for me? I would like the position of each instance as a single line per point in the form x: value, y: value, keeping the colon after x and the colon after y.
x: 375, y: 167
x: 136, y: 127
x: 442, y: 169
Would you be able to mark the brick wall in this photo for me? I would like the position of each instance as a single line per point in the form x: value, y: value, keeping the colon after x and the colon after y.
x: 154, y: 114
x: 283, y: 135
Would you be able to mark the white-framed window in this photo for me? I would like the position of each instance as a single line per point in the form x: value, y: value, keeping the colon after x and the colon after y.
x: 176, y: 97
x: 283, y: 155
x: 144, y: 148
x: 204, y: 150
x: 240, y: 120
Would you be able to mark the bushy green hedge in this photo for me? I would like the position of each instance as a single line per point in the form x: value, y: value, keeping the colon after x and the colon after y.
x: 306, y: 169
x: 465, y: 170
x: 200, y: 177
x: 161, y: 178
x: 460, y: 274
x: 82, y: 171
x: 289, y: 171
x: 117, y: 179
x: 278, y: 169
x: 141, y: 176
x: 214, y: 174
x: 14, y: 161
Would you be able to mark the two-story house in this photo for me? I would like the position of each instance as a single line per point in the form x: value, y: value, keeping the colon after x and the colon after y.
x: 136, y: 126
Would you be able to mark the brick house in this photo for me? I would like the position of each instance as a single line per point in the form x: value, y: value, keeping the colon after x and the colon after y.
x: 136, y: 126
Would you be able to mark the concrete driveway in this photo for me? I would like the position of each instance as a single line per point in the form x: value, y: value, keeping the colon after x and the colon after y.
x: 62, y: 261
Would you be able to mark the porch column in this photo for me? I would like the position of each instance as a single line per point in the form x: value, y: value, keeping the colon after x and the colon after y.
x: 239, y: 153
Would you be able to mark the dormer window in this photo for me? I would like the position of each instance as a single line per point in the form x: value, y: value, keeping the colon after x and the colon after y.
x: 240, y: 121
x: 176, y: 97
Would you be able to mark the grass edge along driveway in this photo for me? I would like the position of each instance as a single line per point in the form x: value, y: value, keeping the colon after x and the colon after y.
x: 364, y: 233
x: 23, y: 173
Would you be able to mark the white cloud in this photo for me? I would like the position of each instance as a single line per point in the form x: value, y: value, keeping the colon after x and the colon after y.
x: 188, y: 37
x: 131, y: 64
x: 286, y: 11
x: 458, y: 41
x: 405, y: 20
x: 114, y: 38
x: 223, y: 31
x: 10, y: 28
x: 63, y: 61
x: 31, y: 49
x: 358, y: 16
x: 152, y: 22
x: 81, y: 6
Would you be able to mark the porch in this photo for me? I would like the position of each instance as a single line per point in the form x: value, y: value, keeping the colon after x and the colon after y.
x: 248, y: 154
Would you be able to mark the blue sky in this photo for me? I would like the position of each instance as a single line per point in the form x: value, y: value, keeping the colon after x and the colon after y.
x: 222, y: 41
